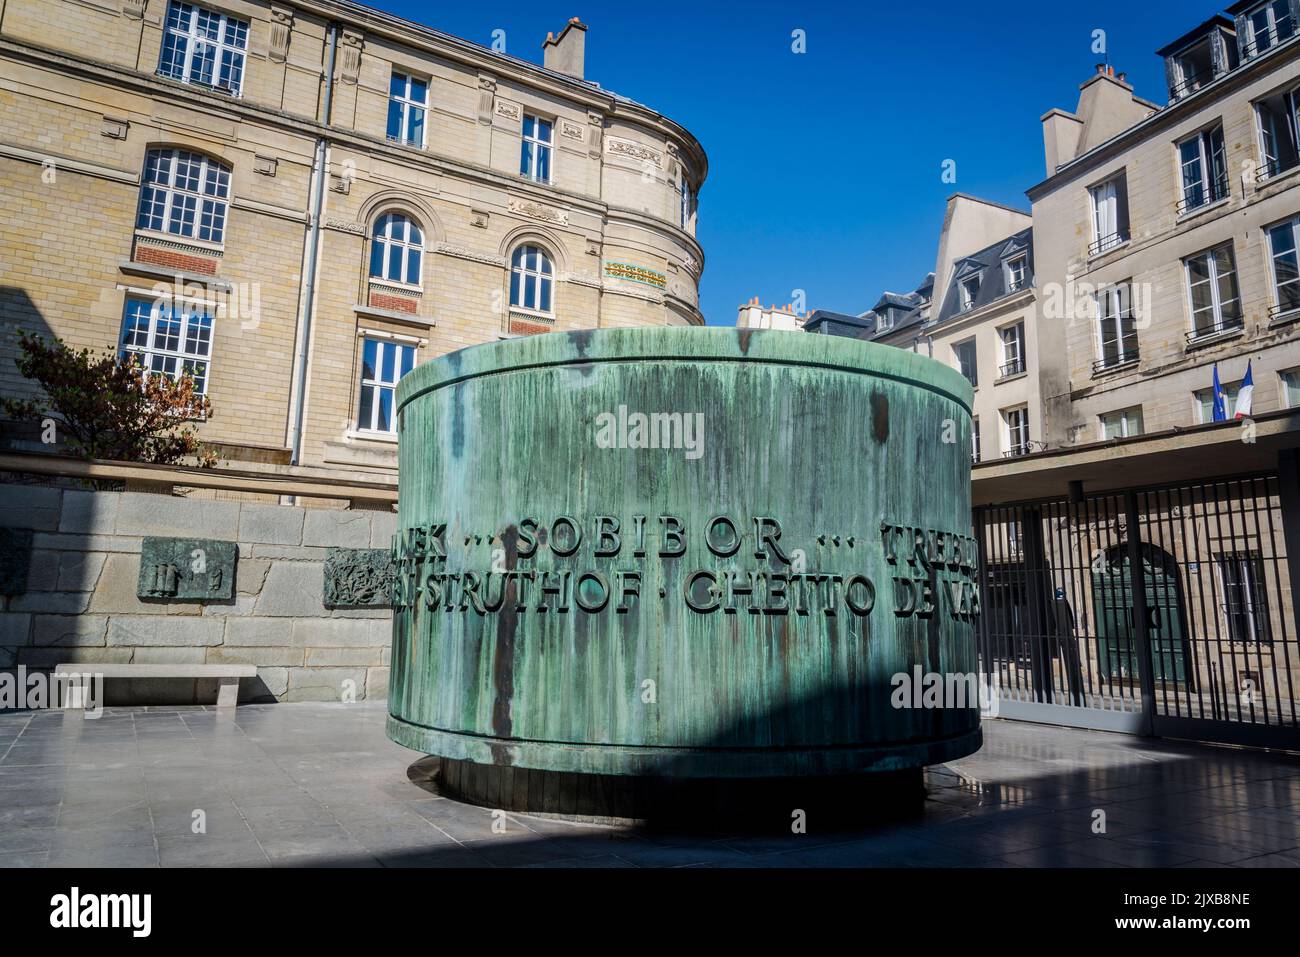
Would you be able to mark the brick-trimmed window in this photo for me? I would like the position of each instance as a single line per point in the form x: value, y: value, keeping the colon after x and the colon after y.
x: 184, y: 193
x: 531, y: 279
x: 535, y: 150
x: 170, y: 338
x: 383, y: 363
x: 205, y: 47
x: 396, y: 249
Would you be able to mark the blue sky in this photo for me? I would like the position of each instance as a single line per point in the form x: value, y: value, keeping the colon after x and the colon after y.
x: 825, y: 167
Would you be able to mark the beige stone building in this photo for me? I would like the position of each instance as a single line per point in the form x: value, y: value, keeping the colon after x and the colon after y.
x: 298, y: 201
x: 1165, y: 239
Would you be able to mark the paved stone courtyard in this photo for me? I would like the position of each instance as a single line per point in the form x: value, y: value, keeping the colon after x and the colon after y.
x: 319, y: 784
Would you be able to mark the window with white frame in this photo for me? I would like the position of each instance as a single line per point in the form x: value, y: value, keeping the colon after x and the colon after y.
x: 967, y: 360
x: 1266, y: 26
x: 1015, y: 430
x: 1193, y: 68
x: 1109, y: 214
x: 1290, y: 380
x: 535, y: 150
x: 967, y: 291
x: 1116, y: 329
x: 1205, y: 401
x: 1276, y: 116
x: 1017, y: 268
x: 975, y: 439
x: 184, y: 193
x: 1122, y: 424
x: 1203, y: 163
x: 396, y: 248
x: 408, y: 102
x: 383, y: 363
x: 531, y: 279
x: 1245, y: 595
x: 1013, y: 349
x: 170, y: 338
x: 203, y: 46
x: 1212, y: 290
x: 1283, y: 242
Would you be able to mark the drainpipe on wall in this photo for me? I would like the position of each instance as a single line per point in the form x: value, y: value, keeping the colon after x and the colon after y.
x: 313, y: 244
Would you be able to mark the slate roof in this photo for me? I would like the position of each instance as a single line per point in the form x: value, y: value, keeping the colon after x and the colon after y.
x: 993, y: 278
x: 825, y: 322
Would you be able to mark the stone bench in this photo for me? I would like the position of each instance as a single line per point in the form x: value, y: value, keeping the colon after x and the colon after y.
x: 227, y: 677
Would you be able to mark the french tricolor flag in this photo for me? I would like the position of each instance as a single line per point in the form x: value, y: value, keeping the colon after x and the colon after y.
x: 1245, y: 394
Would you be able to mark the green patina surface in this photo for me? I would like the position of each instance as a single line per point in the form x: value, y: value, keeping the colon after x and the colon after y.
x: 650, y: 657
x: 187, y: 569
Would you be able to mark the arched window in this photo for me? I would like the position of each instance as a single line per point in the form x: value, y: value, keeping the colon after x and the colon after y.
x: 395, y: 250
x: 531, y: 275
x: 184, y: 193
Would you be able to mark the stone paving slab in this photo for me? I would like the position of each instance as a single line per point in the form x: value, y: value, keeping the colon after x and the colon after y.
x: 318, y: 784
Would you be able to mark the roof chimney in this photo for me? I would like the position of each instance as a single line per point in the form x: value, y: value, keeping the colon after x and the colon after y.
x: 565, y: 53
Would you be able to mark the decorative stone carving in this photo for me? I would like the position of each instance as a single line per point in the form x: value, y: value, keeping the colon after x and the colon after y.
x: 526, y: 207
x: 358, y: 578
x: 344, y: 226
x: 507, y: 109
x: 350, y: 55
x: 265, y: 165
x: 487, y: 88
x: 133, y: 9
x: 479, y: 218
x: 634, y: 273
x: 596, y: 123
x: 281, y: 28
x: 340, y: 183
x: 460, y: 252
x: 15, y: 557
x: 187, y: 569
x: 571, y: 130
x: 635, y: 150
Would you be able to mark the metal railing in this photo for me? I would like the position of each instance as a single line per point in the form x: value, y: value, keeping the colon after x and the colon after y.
x: 1191, y: 83
x: 1014, y: 367
x: 1251, y: 48
x: 1279, y: 314
x: 1017, y: 450
x: 1202, y: 194
x: 1218, y: 329
x: 1107, y: 243
x: 1122, y: 358
x: 1274, y: 167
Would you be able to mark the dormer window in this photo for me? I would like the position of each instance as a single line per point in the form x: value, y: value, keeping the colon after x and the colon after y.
x: 1016, y: 272
x: 1192, y: 69
x: 885, y: 320
x: 967, y: 290
x: 1264, y: 27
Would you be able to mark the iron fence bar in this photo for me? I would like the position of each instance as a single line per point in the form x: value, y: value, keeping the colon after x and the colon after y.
x: 1196, y: 588
x: 1141, y: 634
x: 1288, y: 483
x: 1221, y: 613
x: 1285, y: 628
x: 1264, y: 562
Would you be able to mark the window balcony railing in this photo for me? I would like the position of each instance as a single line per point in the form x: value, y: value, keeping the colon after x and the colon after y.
x: 1218, y: 329
x: 1017, y: 450
x: 1107, y: 243
x: 1264, y: 41
x: 1271, y: 168
x: 1014, y: 367
x: 1280, y: 313
x: 1203, y: 194
x: 1123, y: 358
x: 1191, y: 82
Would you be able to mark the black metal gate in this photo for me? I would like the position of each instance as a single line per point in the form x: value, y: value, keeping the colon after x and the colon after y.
x: 1166, y: 611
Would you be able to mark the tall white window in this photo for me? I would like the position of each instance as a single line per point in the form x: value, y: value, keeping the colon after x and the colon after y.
x: 686, y: 202
x: 967, y: 360
x: 184, y: 193
x: 1283, y: 243
x: 967, y: 291
x: 396, y: 247
x: 1212, y: 287
x: 169, y: 338
x: 1122, y: 424
x: 1204, y: 169
x: 383, y: 363
x: 1266, y: 26
x: 1015, y: 424
x: 408, y: 101
x: 1205, y: 401
x: 1290, y: 387
x: 1109, y: 214
x: 1276, y: 116
x: 1116, y: 329
x: 531, y: 278
x: 1016, y: 271
x: 535, y: 150
x: 975, y: 439
x: 1013, y: 349
x: 203, y: 46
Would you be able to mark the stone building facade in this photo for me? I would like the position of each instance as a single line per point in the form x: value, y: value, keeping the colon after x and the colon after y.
x: 301, y: 200
x: 1165, y: 238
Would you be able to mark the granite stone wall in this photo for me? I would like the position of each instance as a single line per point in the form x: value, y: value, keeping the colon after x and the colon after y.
x: 79, y: 602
